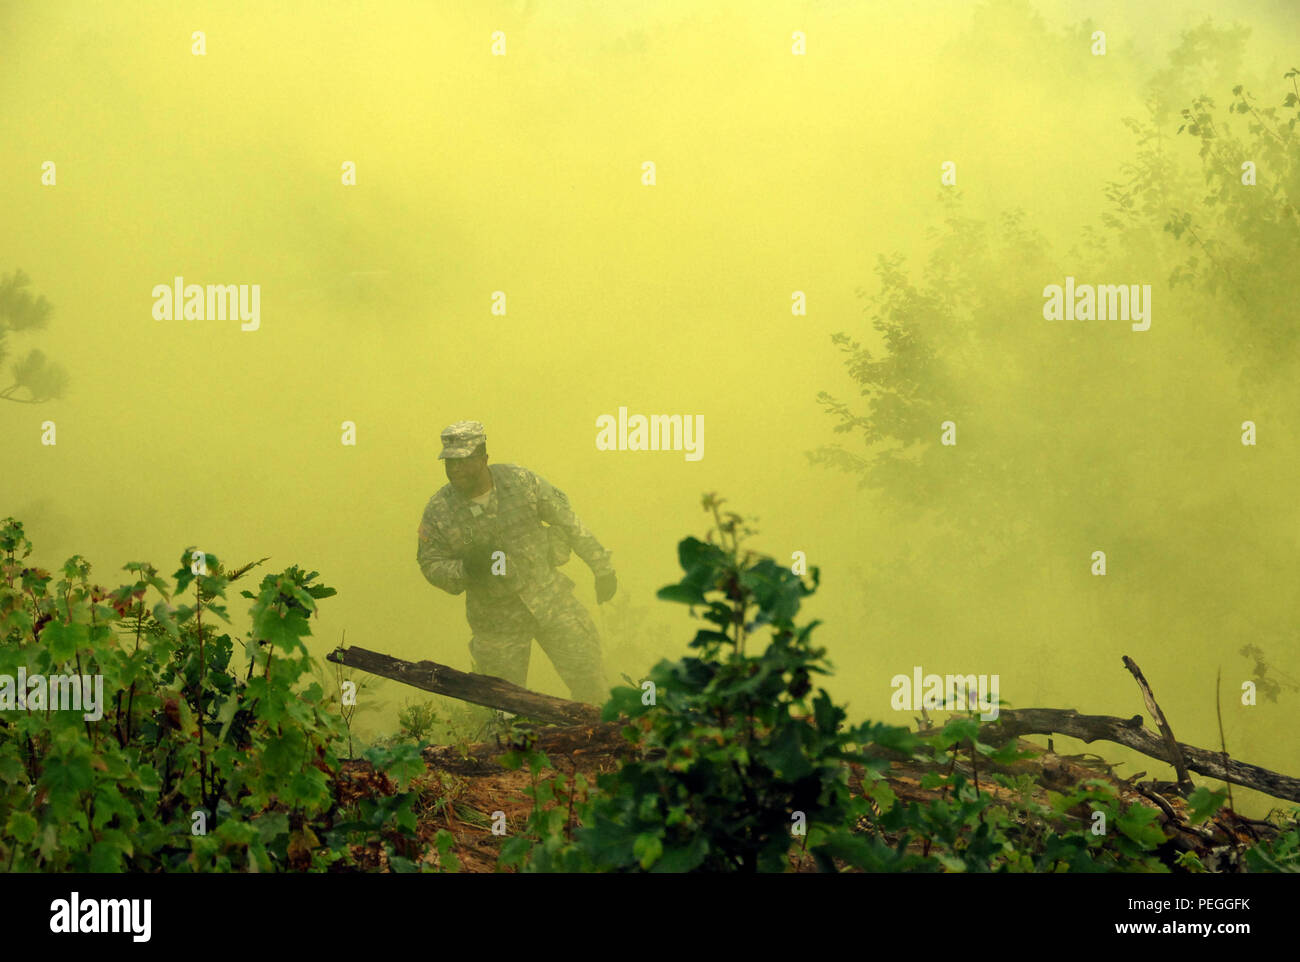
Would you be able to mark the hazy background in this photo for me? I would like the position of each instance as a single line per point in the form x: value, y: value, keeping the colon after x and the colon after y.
x: 776, y: 173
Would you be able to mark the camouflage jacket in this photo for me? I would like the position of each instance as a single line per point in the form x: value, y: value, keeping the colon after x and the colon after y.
x: 512, y: 522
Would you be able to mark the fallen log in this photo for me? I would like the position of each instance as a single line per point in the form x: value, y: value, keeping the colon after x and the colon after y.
x: 486, y: 690
x: 1131, y: 733
x: 498, y: 693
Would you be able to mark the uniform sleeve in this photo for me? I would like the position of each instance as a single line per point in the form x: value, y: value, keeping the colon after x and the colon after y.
x: 553, y: 508
x: 434, y: 556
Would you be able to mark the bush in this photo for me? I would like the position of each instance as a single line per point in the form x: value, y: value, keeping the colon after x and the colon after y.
x: 741, y: 766
x: 194, y: 766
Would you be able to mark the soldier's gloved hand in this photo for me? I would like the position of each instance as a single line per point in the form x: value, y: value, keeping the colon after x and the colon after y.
x: 606, y: 585
x: 478, y: 563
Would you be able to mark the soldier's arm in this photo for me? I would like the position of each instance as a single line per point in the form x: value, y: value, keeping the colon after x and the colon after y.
x: 553, y: 508
x: 434, y: 556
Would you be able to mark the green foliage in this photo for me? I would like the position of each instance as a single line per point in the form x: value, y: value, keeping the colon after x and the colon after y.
x: 363, y: 689
x: 1062, y: 452
x: 417, y: 722
x: 1280, y: 854
x: 1204, y: 803
x: 387, y: 820
x: 546, y: 843
x: 968, y: 830
x: 1270, y: 681
x: 741, y: 764
x: 725, y: 758
x: 193, y: 766
x: 433, y: 721
x: 33, y: 375
x: 737, y: 749
x: 961, y: 338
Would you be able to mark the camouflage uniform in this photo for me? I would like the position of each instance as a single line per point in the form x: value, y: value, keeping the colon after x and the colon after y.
x: 531, y: 599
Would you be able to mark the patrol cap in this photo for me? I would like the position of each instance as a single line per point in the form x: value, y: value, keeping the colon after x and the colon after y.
x: 460, y: 440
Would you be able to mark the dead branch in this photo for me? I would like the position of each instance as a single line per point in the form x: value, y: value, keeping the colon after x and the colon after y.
x: 1175, y: 756
x: 1131, y: 733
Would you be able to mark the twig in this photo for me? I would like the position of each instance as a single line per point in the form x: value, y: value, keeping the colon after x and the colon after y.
x: 1218, y: 710
x: 1158, y: 799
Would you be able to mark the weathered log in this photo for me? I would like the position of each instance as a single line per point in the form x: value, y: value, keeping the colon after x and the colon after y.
x: 1131, y: 733
x: 486, y: 690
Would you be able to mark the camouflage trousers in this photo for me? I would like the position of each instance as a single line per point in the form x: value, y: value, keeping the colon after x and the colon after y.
x: 567, y: 635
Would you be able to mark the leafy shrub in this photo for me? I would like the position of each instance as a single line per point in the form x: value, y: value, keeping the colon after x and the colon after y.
x: 194, y: 766
x: 741, y: 767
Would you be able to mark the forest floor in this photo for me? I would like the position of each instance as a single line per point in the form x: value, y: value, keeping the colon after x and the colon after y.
x: 464, y: 789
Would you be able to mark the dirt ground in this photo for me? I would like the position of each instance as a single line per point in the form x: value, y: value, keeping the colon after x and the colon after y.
x: 463, y: 798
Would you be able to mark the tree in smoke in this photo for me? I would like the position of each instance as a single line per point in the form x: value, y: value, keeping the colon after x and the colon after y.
x: 34, y: 375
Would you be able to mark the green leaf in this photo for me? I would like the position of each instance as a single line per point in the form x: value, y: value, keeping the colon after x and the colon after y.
x: 646, y: 849
x: 226, y: 715
x: 106, y: 854
x: 236, y: 832
x: 683, y: 593
x: 786, y: 752
x: 683, y: 859
x: 282, y: 753
x: 108, y: 803
x: 406, y: 763
x: 164, y: 617
x: 21, y: 826
x: 404, y: 815
x: 282, y: 628
x: 694, y: 554
x: 64, y: 640
x: 960, y: 729
x: 1139, y: 824
x: 932, y: 780
x: 68, y: 775
x: 309, y: 787
x: 622, y: 701
x: 849, y: 848
x: 1204, y: 803
x: 514, y: 851
x: 148, y: 778
x: 271, y: 826
x: 883, y: 795
x: 1190, y: 862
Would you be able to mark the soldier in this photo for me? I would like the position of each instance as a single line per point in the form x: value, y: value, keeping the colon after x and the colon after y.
x: 483, y: 534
